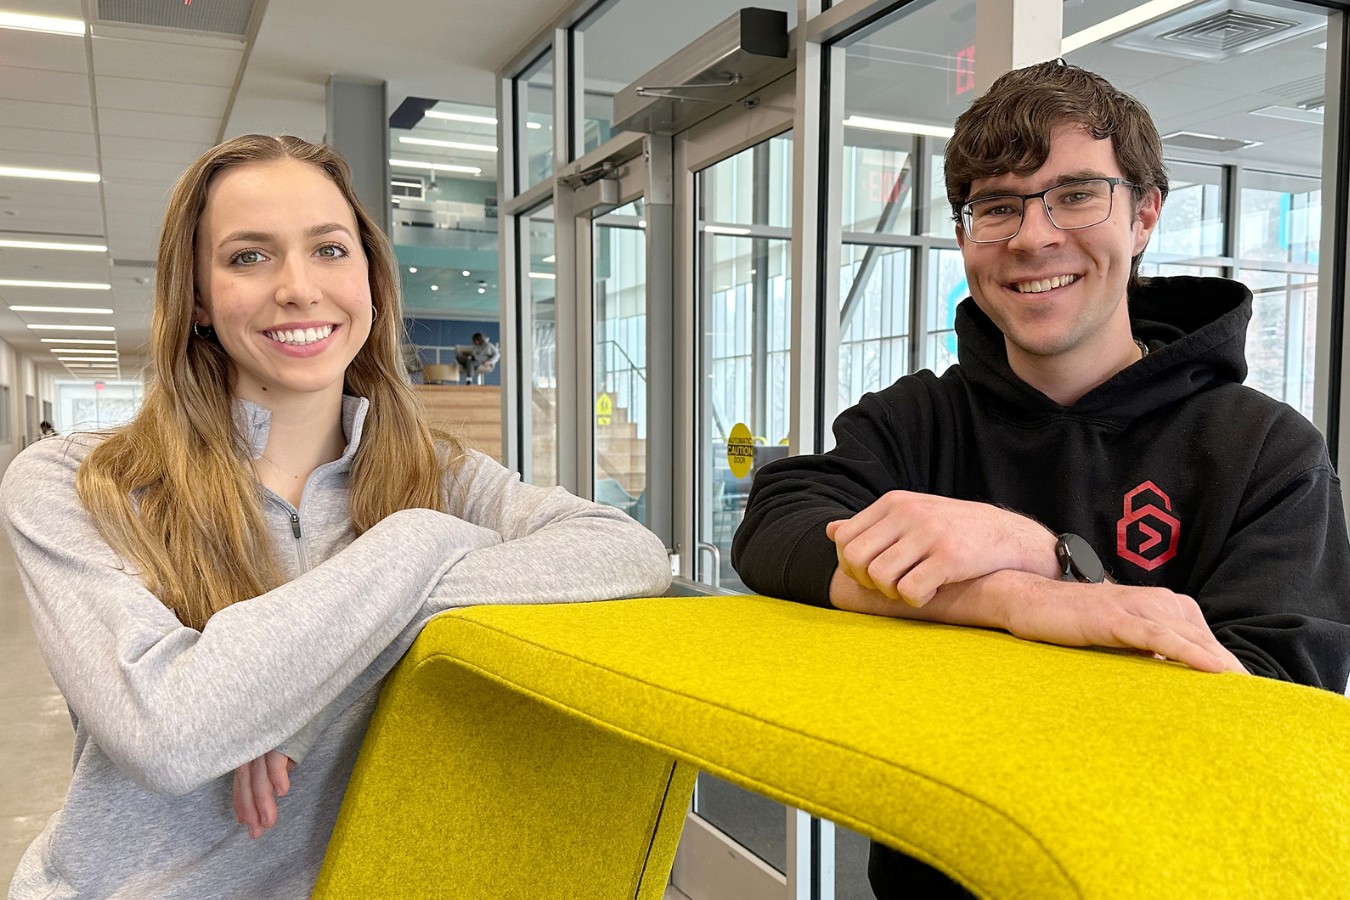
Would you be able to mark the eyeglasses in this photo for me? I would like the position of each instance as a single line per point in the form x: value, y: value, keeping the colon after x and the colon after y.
x: 1069, y: 206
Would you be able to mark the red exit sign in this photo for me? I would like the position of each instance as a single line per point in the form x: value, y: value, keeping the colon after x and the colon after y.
x: 963, y: 75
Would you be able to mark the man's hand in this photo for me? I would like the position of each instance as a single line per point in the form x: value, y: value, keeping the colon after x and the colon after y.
x: 1150, y: 620
x: 257, y: 784
x: 907, y: 545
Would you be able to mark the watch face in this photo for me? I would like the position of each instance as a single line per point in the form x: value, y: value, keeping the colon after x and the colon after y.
x: 1081, y: 559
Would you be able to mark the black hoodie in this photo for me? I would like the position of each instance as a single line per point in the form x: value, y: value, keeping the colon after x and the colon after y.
x: 1177, y: 474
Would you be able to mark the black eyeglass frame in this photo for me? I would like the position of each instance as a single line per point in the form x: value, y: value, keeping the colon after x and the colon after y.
x: 966, y: 218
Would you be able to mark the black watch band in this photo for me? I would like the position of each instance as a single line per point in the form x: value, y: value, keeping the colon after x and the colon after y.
x: 1077, y: 560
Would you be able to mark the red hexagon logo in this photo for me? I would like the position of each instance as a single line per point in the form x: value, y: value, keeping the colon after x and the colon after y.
x: 1147, y: 534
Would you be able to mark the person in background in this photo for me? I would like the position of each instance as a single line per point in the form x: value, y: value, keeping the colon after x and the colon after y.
x: 1093, y: 471
x: 219, y: 587
x: 477, y: 358
x: 45, y: 430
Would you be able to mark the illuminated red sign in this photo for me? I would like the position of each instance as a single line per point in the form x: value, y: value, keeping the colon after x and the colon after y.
x: 963, y: 76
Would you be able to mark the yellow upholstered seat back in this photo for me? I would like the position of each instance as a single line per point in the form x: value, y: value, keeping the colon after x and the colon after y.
x: 1023, y: 770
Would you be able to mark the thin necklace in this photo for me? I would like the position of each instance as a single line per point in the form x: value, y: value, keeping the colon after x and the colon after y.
x: 273, y: 464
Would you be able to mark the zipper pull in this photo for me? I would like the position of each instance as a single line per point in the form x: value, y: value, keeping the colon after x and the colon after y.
x: 295, y: 525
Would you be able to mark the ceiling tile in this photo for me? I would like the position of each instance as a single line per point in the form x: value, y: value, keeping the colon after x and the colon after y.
x: 184, y: 153
x: 45, y: 141
x: 44, y: 85
x: 50, y: 116
x: 36, y: 50
x: 186, y: 64
x: 170, y: 125
x: 136, y: 168
x: 149, y: 96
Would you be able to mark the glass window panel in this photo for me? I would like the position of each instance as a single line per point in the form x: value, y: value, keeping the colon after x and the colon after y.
x: 539, y: 285
x: 947, y: 288
x: 878, y: 182
x: 874, y: 296
x: 1192, y: 224
x: 939, y: 222
x: 1277, y: 234
x: 620, y: 360
x: 443, y: 225
x: 611, y: 57
x: 535, y: 131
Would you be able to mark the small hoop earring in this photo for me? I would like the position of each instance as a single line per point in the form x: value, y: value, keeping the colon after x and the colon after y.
x: 203, y: 332
x: 374, y: 312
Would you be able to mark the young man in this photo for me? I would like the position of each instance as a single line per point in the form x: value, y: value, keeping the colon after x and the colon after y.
x: 477, y: 358
x: 1095, y: 425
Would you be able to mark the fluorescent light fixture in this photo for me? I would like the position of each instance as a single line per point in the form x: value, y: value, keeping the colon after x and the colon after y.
x: 73, y: 310
x: 87, y: 366
x: 895, y: 127
x: 1291, y: 114
x: 68, y: 285
x: 1321, y: 46
x: 72, y: 328
x: 52, y: 245
x: 88, y: 359
x: 49, y: 24
x: 407, y: 184
x: 77, y: 341
x: 533, y: 126
x: 452, y: 145
x: 85, y: 350
x: 1144, y: 12
x: 546, y: 276
x: 460, y: 117
x: 723, y: 229
x: 552, y: 257
x: 436, y: 167
x: 49, y: 174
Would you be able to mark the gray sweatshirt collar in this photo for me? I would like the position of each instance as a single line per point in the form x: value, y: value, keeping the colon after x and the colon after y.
x: 253, y: 423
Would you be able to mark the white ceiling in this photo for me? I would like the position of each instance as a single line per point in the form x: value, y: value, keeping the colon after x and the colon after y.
x: 138, y: 104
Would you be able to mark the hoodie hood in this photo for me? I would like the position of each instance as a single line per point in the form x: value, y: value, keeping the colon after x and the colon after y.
x: 1195, y: 329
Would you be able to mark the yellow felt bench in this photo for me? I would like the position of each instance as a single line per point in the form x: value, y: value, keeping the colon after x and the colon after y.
x: 550, y: 751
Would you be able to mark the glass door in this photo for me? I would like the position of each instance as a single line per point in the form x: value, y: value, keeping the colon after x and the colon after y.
x: 619, y: 354
x: 733, y: 209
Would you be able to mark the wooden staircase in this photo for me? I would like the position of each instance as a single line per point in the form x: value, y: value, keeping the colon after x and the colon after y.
x: 471, y: 412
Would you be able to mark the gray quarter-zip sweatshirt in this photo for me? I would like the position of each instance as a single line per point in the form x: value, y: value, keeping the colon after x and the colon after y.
x: 163, y: 714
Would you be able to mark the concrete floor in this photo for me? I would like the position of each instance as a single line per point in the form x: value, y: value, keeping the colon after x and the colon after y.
x: 35, y: 732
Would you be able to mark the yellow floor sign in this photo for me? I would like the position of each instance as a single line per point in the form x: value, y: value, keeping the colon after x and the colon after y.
x: 604, y: 409
x: 740, y: 450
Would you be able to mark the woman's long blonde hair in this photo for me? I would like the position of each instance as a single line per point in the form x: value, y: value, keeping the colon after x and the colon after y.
x: 173, y: 492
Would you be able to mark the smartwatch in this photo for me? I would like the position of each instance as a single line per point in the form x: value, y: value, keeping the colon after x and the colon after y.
x: 1077, y: 560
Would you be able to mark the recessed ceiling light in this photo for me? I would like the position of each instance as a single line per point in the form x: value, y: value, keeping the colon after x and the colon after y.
x: 435, y: 287
x: 724, y: 229
x: 49, y: 24
x: 412, y: 270
x: 533, y: 126
x: 72, y: 328
x: 546, y: 276
x: 482, y: 290
x: 465, y: 273
x: 435, y: 167
x: 52, y: 245
x: 460, y: 117
x: 49, y: 174
x: 76, y: 341
x: 874, y: 124
x: 73, y: 310
x: 451, y: 145
x: 67, y: 285
x: 550, y: 258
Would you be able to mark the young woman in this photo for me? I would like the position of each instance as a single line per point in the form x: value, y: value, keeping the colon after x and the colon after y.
x: 220, y: 586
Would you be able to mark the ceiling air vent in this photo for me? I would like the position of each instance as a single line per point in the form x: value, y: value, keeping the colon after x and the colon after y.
x: 217, y: 17
x: 1221, y: 29
x: 1190, y: 140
